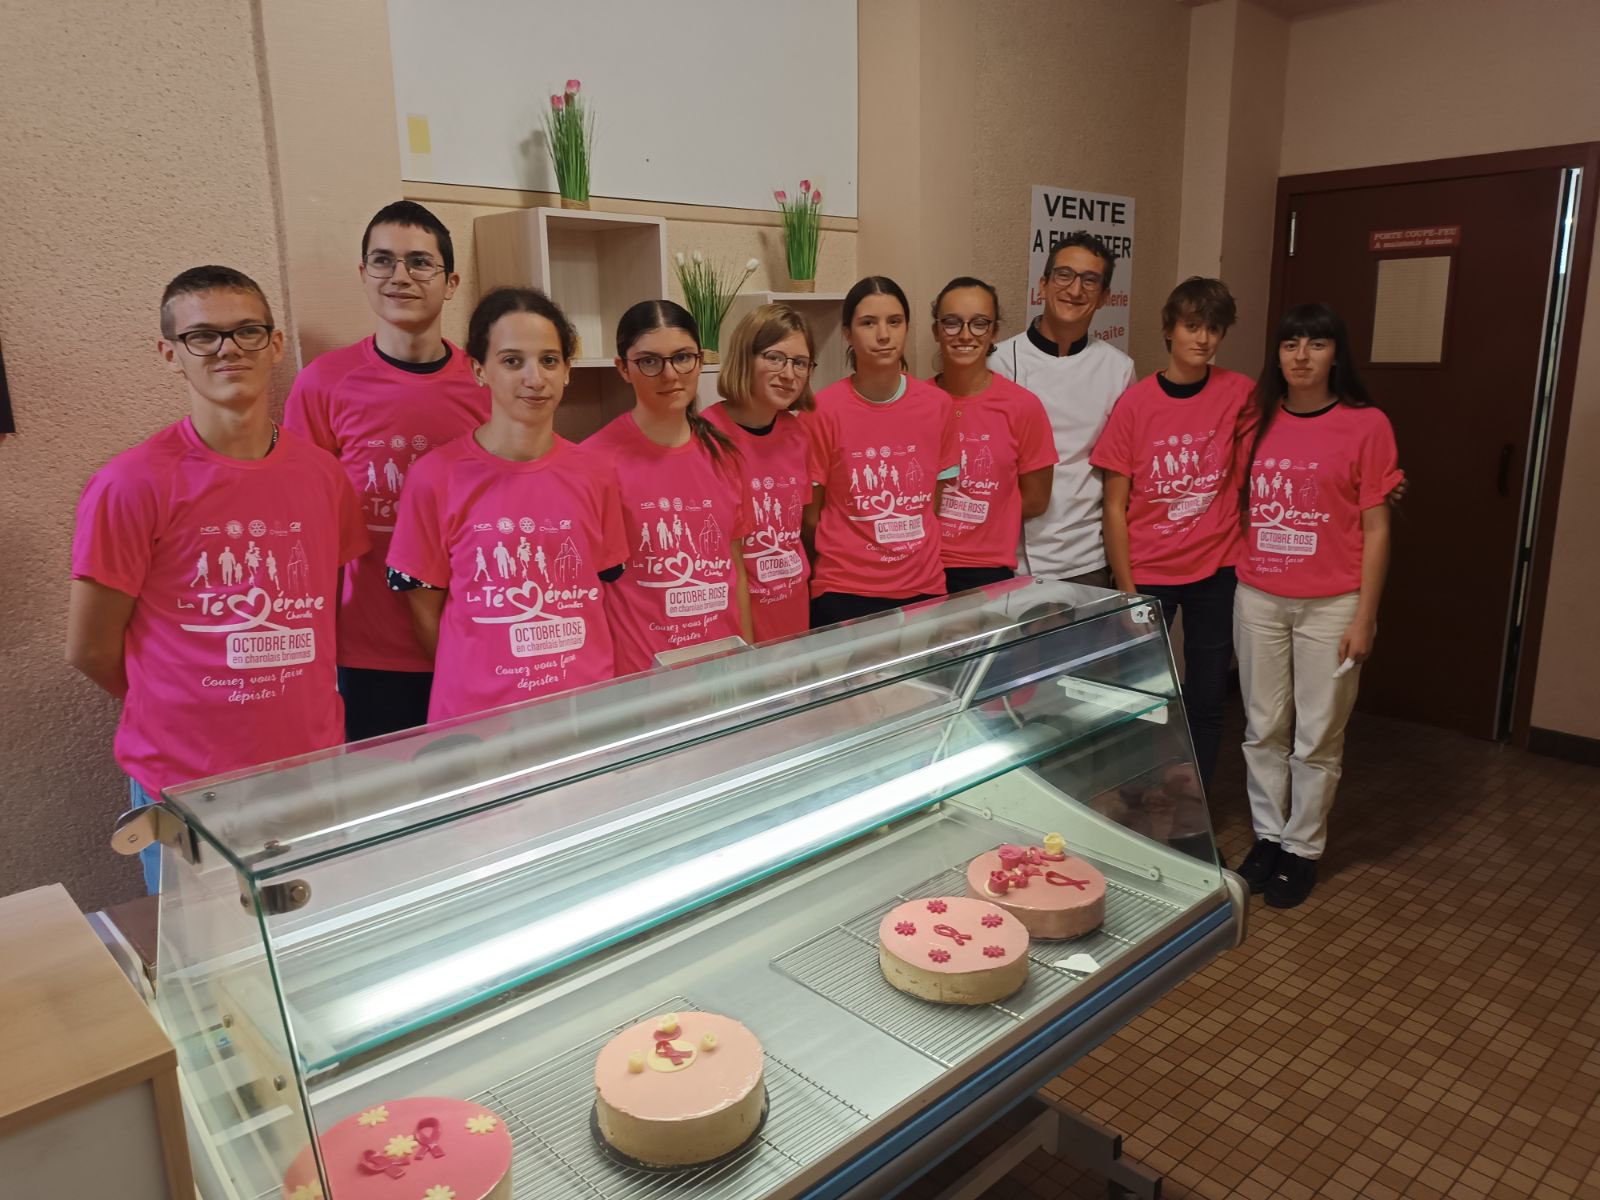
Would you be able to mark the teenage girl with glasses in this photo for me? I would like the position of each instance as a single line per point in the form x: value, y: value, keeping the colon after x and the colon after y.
x: 882, y: 446
x: 683, y: 492
x: 765, y: 383
x: 1003, y: 435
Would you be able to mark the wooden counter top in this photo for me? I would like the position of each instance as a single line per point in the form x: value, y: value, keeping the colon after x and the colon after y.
x: 72, y: 1029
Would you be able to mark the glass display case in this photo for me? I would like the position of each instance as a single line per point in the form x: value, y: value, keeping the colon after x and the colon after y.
x: 472, y: 910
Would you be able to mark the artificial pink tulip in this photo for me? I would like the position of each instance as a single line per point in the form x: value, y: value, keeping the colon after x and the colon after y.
x: 781, y: 197
x: 557, y: 103
x: 805, y: 185
x: 816, y: 197
x: 572, y: 87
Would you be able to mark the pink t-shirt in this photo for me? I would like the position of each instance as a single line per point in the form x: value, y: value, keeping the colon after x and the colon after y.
x: 520, y: 546
x: 233, y: 566
x: 1181, y: 454
x: 378, y: 420
x: 683, y: 509
x: 775, y: 564
x: 1003, y: 432
x: 1312, y: 478
x: 878, y: 465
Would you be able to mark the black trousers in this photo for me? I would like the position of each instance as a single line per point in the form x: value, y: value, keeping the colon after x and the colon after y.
x: 964, y: 579
x: 832, y: 607
x: 1207, y: 607
x: 380, y: 702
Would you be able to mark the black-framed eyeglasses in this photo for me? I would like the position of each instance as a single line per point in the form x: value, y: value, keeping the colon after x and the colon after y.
x: 207, y: 343
x: 421, y: 267
x: 953, y: 325
x: 777, y: 360
x: 651, y: 365
x: 1092, y: 281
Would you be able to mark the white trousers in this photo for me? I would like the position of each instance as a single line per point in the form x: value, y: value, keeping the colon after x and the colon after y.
x: 1295, y: 711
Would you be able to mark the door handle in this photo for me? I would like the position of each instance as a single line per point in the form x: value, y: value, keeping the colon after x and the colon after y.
x: 1503, y: 478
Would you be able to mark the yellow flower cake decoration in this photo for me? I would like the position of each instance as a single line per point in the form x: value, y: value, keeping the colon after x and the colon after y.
x: 375, y: 1116
x: 307, y: 1191
x: 402, y: 1145
x: 482, y: 1124
x: 439, y: 1192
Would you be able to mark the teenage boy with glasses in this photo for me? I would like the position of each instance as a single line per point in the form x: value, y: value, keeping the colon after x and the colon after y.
x: 205, y: 562
x: 379, y: 405
x: 1078, y: 378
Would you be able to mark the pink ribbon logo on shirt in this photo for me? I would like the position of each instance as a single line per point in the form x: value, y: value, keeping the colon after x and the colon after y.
x: 682, y: 565
x: 877, y: 507
x: 765, y: 542
x: 255, y: 606
x: 519, y: 596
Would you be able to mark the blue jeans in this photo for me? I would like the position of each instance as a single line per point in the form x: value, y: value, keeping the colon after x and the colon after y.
x: 150, y: 856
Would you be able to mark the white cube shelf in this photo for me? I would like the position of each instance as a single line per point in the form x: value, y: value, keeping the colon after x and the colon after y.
x: 823, y: 312
x: 594, y: 265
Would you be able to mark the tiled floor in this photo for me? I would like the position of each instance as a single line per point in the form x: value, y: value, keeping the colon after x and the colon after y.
x: 1425, y: 1026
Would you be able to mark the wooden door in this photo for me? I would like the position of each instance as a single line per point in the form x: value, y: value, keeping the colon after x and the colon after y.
x: 1464, y: 423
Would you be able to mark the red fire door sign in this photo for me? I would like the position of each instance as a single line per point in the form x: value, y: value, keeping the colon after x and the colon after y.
x: 1423, y: 237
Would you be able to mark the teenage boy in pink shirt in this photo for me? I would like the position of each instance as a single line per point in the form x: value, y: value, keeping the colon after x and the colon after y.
x: 205, y: 562
x: 1170, y: 455
x: 379, y: 405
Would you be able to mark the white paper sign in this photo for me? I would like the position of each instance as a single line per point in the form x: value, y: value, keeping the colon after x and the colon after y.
x: 1058, y: 211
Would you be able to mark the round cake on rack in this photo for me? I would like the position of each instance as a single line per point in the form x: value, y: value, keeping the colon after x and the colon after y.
x: 427, y: 1146
x: 680, y: 1090
x: 953, y: 950
x: 1053, y: 894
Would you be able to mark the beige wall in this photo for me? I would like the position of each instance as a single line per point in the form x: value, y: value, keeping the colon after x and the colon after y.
x: 1401, y: 82
x: 132, y: 145
x: 965, y: 107
x: 1233, y: 125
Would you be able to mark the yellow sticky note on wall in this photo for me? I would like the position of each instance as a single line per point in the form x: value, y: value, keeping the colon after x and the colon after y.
x: 417, y: 134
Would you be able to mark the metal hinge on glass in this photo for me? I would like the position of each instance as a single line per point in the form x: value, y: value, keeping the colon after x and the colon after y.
x: 142, y: 827
x: 277, y: 898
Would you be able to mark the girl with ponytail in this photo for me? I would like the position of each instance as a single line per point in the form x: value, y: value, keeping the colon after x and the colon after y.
x: 882, y: 446
x: 507, y: 538
x: 683, y: 492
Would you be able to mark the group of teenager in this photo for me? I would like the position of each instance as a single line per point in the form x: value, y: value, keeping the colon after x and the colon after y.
x: 416, y: 543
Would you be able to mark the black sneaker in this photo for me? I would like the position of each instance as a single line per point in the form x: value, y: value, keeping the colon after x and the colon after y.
x: 1292, y: 880
x: 1259, y: 865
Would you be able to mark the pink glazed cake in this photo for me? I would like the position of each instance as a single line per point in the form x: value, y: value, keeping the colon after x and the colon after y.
x: 1053, y: 894
x: 424, y: 1148
x: 953, y: 950
x: 680, y: 1089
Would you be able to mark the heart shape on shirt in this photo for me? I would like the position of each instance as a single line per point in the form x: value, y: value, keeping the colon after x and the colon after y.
x: 1271, y: 514
x: 522, y: 593
x: 681, y: 564
x: 883, y: 502
x: 254, y: 606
